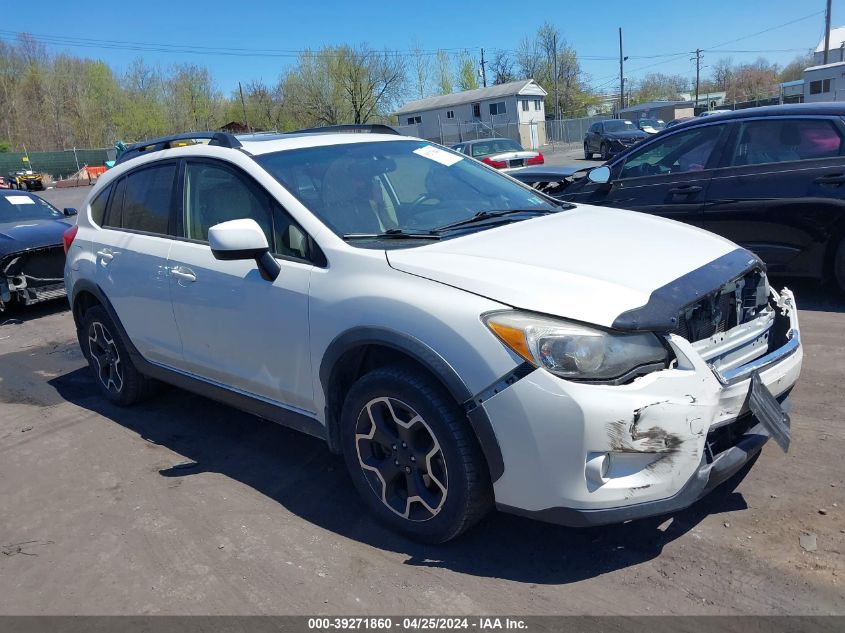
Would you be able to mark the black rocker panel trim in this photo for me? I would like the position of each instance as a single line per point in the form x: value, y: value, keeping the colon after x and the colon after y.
x: 280, y: 415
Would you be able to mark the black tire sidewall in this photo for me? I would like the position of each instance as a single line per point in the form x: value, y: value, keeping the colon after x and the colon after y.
x: 435, y: 406
x: 839, y: 265
x: 132, y: 379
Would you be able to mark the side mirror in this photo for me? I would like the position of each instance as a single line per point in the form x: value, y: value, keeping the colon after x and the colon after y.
x: 599, y: 175
x: 69, y: 211
x: 243, y: 239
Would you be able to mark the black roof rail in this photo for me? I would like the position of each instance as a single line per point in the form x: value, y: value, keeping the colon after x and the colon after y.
x: 369, y: 128
x: 221, y: 139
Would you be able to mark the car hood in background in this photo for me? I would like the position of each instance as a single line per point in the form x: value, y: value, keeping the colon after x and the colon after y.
x: 27, y: 234
x: 625, y: 135
x: 550, y: 173
x: 589, y: 264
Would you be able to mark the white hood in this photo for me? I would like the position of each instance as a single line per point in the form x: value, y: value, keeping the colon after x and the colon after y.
x: 589, y: 264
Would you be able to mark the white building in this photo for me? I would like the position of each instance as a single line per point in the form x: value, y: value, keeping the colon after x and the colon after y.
x: 514, y: 109
x: 825, y: 82
x: 836, y: 50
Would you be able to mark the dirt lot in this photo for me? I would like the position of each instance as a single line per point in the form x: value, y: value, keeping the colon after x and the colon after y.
x: 185, y: 506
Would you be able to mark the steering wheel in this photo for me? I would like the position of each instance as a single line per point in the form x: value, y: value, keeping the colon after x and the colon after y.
x: 423, y: 198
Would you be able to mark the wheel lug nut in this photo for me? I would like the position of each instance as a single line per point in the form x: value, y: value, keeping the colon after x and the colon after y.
x: 413, y: 459
x: 393, y: 446
x: 404, y: 445
x: 407, y: 469
x: 395, y: 462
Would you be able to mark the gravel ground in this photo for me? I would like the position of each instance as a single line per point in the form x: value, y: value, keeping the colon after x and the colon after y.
x: 185, y: 506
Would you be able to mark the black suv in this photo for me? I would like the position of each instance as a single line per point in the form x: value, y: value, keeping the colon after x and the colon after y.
x: 771, y: 179
x: 611, y: 137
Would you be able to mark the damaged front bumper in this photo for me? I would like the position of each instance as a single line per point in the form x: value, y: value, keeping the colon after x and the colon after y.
x: 579, y: 454
x: 32, y: 276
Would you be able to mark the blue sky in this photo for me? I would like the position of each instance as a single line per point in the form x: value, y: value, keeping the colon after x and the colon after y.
x: 591, y: 27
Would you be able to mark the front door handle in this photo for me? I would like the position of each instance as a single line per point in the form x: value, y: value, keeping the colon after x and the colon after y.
x: 105, y: 256
x: 183, y: 274
x: 832, y: 179
x: 685, y: 190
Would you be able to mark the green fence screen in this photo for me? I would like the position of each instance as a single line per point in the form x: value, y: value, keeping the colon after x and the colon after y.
x: 57, y: 164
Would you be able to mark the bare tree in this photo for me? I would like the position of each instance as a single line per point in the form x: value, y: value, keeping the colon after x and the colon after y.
x: 502, y: 68
x: 421, y: 71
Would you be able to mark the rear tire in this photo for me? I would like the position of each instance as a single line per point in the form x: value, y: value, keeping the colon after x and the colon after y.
x: 587, y: 154
x: 413, y: 456
x: 605, y: 152
x: 116, y: 376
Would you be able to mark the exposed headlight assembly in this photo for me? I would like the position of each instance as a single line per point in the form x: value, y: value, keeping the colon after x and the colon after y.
x: 577, y: 352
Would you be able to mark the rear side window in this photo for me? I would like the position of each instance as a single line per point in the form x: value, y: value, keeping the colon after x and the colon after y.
x: 149, y: 198
x: 143, y: 200
x: 98, y: 206
x: 783, y: 140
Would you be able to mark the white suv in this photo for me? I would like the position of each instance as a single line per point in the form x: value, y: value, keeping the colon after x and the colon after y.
x: 461, y: 339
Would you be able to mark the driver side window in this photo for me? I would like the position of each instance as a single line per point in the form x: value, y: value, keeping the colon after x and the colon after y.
x: 686, y: 151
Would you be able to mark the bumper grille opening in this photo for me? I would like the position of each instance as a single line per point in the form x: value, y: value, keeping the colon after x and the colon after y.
x: 735, y: 303
x: 727, y: 436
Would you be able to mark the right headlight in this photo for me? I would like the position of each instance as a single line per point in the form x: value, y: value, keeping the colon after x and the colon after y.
x: 574, y: 351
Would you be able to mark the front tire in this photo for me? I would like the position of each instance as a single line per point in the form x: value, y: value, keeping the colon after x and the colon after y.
x: 605, y: 152
x: 413, y: 456
x: 587, y: 153
x: 114, y: 372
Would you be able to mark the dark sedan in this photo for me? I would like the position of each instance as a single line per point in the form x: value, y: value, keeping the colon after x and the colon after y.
x: 32, y: 258
x: 608, y: 138
x: 771, y: 179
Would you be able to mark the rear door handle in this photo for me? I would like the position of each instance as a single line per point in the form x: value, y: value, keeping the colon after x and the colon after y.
x: 105, y: 255
x: 832, y: 179
x: 183, y: 274
x: 685, y: 190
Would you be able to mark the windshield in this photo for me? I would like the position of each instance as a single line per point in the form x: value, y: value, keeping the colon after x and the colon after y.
x: 23, y: 207
x: 618, y: 126
x: 409, y: 186
x: 494, y: 146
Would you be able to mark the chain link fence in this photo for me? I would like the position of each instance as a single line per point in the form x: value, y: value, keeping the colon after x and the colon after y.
x: 527, y: 134
x: 571, y: 131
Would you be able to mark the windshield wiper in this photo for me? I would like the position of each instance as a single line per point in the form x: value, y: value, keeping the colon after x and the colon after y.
x: 483, y: 216
x: 391, y: 234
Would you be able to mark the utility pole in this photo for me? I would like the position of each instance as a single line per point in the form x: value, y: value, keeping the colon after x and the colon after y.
x: 697, y: 73
x: 826, y: 30
x: 554, y: 52
x: 621, y: 73
x: 483, y: 69
x: 243, y: 105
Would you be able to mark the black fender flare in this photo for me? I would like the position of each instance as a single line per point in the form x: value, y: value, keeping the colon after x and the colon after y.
x: 428, y: 358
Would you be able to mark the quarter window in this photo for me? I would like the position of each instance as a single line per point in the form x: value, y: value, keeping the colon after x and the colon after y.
x: 142, y: 201
x: 686, y: 151
x: 98, y: 206
x: 781, y: 140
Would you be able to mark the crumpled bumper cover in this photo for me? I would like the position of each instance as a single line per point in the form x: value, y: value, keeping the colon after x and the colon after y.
x: 579, y: 454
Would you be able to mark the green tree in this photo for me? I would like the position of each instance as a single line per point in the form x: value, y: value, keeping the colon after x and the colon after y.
x: 467, y: 75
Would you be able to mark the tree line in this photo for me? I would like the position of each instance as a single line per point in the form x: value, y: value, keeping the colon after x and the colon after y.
x: 740, y: 82
x: 59, y: 101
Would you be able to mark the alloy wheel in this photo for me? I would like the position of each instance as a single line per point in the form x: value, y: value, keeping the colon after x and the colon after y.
x: 401, y: 459
x: 106, y: 357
